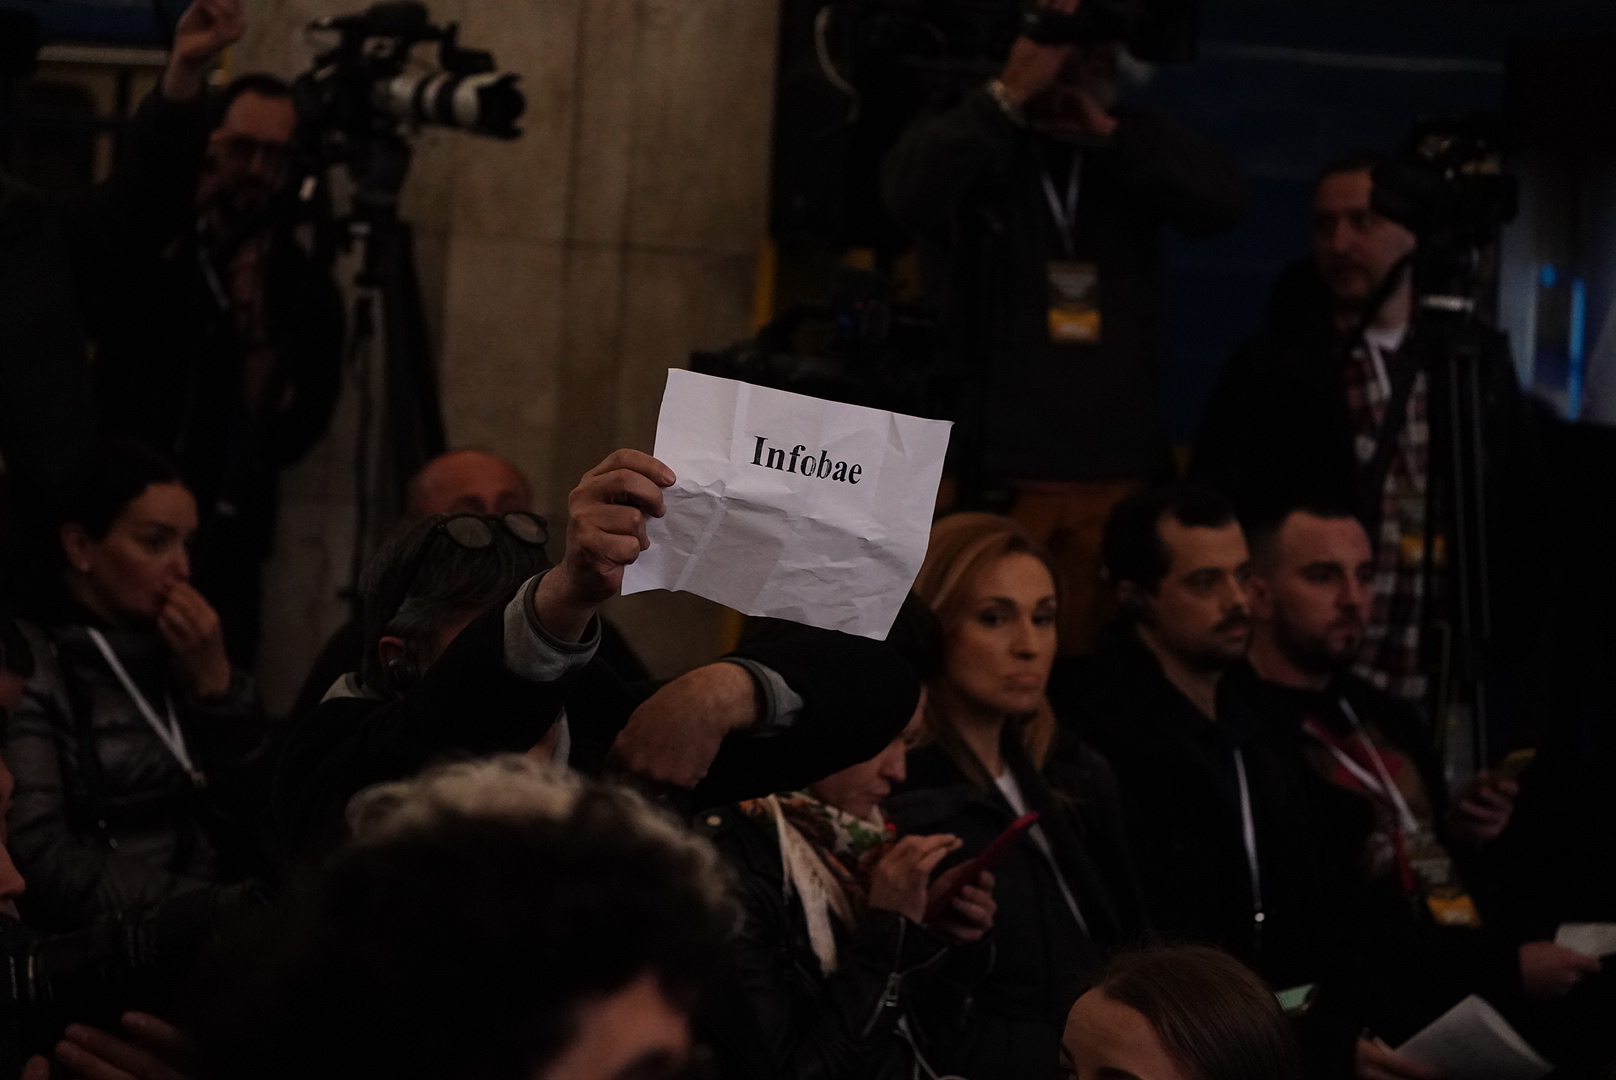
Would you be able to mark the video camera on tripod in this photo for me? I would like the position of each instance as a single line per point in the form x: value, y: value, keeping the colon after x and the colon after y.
x: 1451, y: 189
x: 360, y: 106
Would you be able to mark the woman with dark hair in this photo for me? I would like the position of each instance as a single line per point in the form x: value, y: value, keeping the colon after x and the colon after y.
x: 1178, y: 1013
x: 1065, y: 894
x: 134, y: 731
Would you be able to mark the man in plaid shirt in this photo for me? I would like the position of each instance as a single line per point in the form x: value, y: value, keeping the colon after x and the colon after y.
x: 1299, y: 413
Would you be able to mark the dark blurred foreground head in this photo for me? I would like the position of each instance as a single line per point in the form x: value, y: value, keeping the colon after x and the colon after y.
x: 1185, y: 1012
x: 488, y: 920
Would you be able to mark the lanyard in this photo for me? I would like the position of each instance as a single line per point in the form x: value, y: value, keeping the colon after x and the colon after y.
x: 1248, y: 834
x: 169, y: 733
x: 1380, y: 784
x: 1065, y: 214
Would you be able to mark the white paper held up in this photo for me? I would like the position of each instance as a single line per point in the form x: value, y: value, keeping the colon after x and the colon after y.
x: 1472, y: 1042
x: 789, y: 506
x: 1595, y: 940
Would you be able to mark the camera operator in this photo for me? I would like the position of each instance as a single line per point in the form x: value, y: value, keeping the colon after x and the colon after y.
x: 223, y: 350
x: 1038, y: 205
x: 475, y: 647
x: 55, y: 254
x: 1326, y: 404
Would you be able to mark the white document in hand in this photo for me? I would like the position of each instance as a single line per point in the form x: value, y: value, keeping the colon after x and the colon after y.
x: 790, y: 506
x: 1472, y: 1042
x: 1595, y: 940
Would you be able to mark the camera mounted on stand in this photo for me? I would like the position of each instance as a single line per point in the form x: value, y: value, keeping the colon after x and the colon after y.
x: 360, y: 107
x: 1450, y: 188
x: 1155, y: 31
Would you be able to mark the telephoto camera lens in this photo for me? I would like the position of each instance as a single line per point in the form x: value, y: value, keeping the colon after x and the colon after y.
x: 485, y: 104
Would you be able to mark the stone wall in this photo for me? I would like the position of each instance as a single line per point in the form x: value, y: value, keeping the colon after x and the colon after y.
x: 564, y: 272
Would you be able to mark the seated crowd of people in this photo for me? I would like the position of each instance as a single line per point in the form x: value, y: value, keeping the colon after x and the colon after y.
x: 488, y: 844
x: 437, y: 869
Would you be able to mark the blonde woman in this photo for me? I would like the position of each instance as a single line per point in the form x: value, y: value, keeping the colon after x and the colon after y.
x: 994, y: 753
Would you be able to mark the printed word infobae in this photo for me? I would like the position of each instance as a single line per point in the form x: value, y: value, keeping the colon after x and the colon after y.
x: 800, y: 460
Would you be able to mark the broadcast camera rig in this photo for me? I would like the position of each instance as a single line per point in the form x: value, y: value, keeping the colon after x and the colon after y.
x: 359, y: 108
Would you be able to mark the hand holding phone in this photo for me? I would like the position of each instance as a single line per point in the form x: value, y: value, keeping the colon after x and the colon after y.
x: 960, y: 876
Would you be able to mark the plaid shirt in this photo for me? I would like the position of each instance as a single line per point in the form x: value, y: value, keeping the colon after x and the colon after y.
x: 1390, y: 657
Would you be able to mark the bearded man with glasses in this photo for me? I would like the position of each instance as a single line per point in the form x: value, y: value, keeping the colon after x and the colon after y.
x: 223, y: 351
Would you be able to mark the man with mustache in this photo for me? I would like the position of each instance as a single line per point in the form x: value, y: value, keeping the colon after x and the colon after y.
x: 1385, y: 829
x: 1330, y: 402
x: 224, y: 350
x: 1209, y: 788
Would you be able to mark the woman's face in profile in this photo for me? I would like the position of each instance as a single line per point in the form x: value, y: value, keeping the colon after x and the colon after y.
x: 1107, y: 1040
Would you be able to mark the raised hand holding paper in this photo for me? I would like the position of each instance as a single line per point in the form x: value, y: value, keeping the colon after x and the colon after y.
x: 789, y: 506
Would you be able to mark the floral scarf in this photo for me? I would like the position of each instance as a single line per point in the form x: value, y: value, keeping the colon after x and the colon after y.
x: 827, y: 854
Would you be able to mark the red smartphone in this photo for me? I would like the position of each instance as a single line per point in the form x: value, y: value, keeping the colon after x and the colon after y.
x: 985, y: 861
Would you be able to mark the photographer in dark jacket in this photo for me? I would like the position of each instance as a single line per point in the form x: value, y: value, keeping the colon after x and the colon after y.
x: 1328, y: 403
x: 474, y: 651
x: 223, y: 350
x: 57, y: 253
x: 1037, y: 205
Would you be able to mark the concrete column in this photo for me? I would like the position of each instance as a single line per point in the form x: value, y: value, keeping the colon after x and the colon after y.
x: 564, y: 272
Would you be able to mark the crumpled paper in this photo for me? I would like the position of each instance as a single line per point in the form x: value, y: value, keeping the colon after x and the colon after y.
x: 789, y: 506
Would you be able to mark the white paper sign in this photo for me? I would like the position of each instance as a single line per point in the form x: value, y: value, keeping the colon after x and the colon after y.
x: 1595, y: 940
x: 1472, y: 1042
x: 790, y: 506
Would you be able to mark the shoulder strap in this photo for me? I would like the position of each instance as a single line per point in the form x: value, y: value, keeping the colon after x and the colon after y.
x: 1372, y: 477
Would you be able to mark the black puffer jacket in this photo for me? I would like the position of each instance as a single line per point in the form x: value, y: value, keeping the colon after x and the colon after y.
x: 104, y: 818
x: 843, y: 1026
x: 1042, y: 956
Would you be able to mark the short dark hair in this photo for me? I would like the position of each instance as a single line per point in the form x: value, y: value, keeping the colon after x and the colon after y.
x: 1132, y: 547
x: 112, y: 476
x: 253, y: 82
x: 1214, y: 1017
x: 445, y: 583
x: 1262, y: 530
x: 1356, y: 161
x: 463, y: 941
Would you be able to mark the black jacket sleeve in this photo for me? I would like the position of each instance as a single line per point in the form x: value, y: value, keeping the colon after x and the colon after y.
x: 468, y: 703
x: 842, y: 1025
x: 941, y: 158
x: 1196, y: 185
x: 150, y: 197
x: 858, y: 694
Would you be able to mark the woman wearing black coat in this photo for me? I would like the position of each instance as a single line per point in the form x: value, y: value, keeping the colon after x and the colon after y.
x: 1064, y: 891
x: 136, y: 746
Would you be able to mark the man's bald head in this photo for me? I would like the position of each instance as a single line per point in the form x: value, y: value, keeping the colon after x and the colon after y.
x: 467, y: 482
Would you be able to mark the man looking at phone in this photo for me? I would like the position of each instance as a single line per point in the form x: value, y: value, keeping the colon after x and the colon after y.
x: 1383, y: 826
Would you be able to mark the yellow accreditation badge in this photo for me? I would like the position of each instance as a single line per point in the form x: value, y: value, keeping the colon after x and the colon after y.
x: 1074, y: 303
x: 1455, y: 910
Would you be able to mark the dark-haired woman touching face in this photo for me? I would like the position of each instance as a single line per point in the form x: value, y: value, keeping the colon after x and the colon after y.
x: 135, y: 735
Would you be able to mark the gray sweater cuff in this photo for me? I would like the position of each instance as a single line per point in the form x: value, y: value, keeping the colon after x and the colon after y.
x: 533, y: 652
x: 778, y: 704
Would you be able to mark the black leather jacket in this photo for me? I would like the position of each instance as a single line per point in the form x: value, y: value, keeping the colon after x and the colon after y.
x: 844, y: 1026
x: 104, y: 819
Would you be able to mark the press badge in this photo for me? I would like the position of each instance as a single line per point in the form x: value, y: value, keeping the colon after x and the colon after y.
x: 1074, y: 303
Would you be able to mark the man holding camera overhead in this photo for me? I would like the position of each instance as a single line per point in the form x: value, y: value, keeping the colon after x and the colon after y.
x: 223, y: 350
x: 1037, y: 204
